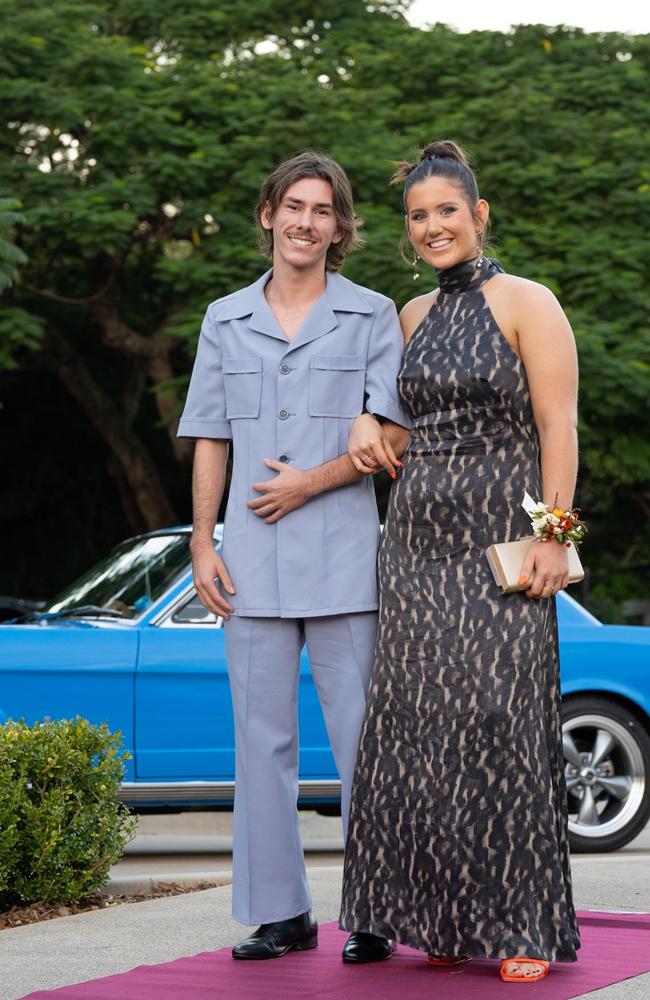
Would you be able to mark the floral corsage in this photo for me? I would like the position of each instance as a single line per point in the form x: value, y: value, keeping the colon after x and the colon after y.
x: 555, y: 523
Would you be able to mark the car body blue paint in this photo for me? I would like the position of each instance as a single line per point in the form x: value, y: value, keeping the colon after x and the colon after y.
x: 612, y: 659
x: 66, y: 669
x: 166, y: 688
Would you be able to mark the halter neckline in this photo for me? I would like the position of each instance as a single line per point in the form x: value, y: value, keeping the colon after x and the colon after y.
x: 468, y: 275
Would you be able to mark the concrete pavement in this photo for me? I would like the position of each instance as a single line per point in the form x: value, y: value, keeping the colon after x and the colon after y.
x: 202, y: 841
x: 102, y: 942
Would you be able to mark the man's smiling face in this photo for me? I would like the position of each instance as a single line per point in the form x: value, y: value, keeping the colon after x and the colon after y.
x: 304, y: 224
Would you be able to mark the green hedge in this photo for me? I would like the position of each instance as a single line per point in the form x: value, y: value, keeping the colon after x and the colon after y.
x: 61, y: 823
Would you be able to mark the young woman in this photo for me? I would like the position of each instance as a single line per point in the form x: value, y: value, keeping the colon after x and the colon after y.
x: 457, y: 841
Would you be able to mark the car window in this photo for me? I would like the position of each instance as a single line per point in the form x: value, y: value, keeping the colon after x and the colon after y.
x: 131, y: 577
x: 192, y: 612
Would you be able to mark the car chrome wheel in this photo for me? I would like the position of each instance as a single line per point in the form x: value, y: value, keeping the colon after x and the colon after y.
x: 605, y: 775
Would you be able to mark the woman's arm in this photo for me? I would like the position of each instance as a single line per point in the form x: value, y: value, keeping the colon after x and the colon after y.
x: 548, y: 352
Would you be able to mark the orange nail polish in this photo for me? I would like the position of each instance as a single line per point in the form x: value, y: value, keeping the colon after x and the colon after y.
x: 401, y: 464
x: 393, y: 475
x: 522, y: 579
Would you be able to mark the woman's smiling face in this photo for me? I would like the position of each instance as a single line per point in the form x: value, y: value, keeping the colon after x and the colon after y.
x: 441, y: 224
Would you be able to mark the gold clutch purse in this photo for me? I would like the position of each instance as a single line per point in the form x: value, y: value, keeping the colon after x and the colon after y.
x: 505, y: 559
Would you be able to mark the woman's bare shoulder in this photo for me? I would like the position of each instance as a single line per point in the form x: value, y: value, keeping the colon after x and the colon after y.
x: 414, y: 312
x: 522, y: 290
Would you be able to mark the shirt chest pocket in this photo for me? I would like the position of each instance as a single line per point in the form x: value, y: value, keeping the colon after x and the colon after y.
x: 336, y: 385
x: 242, y: 379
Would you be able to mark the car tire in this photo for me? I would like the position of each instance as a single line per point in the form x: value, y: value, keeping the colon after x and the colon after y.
x: 328, y: 809
x: 607, y: 771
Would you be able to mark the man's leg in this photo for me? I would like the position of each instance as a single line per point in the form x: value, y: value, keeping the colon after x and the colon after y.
x: 341, y: 651
x: 269, y: 878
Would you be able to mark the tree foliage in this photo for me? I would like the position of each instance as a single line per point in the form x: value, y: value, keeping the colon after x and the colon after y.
x: 136, y: 135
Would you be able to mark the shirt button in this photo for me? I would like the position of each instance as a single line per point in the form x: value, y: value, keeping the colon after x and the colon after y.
x: 283, y: 458
x: 283, y: 414
x: 284, y: 369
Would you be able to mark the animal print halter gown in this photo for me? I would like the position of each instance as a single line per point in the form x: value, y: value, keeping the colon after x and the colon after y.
x: 457, y: 839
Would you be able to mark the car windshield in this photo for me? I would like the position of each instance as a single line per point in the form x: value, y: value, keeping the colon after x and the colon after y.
x: 133, y: 576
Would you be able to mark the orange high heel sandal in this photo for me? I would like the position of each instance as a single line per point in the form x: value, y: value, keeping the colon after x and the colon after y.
x: 519, y: 977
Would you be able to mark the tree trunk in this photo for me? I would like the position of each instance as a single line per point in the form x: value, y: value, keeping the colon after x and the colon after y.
x: 147, y: 491
x: 160, y: 373
x: 154, y: 350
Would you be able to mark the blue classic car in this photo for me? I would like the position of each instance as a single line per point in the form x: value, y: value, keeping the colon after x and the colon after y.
x: 130, y: 644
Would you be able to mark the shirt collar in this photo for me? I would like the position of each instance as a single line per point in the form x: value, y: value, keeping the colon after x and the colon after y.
x: 342, y: 296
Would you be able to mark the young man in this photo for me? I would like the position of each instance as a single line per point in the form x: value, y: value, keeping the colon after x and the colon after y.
x: 282, y: 368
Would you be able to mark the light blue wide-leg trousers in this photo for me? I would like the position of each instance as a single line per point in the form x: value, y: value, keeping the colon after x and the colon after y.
x: 269, y: 878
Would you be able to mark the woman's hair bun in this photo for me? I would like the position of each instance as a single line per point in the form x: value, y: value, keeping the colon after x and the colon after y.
x: 442, y: 149
x: 445, y: 149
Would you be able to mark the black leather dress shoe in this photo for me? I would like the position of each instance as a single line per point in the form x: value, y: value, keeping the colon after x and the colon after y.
x: 276, y: 939
x: 361, y: 947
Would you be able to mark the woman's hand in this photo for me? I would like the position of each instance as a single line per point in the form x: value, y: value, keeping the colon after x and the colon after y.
x: 545, y: 569
x: 370, y: 449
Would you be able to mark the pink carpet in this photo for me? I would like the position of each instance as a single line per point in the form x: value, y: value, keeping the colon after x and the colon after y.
x: 614, y: 947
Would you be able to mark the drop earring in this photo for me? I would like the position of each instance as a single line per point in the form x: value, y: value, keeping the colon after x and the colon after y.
x: 479, y: 249
x: 414, y: 265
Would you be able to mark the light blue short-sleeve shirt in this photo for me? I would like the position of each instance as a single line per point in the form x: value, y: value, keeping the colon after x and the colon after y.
x: 295, y: 401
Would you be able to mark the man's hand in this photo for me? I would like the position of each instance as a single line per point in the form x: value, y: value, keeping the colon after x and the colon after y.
x: 370, y: 449
x: 289, y: 489
x: 207, y: 567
